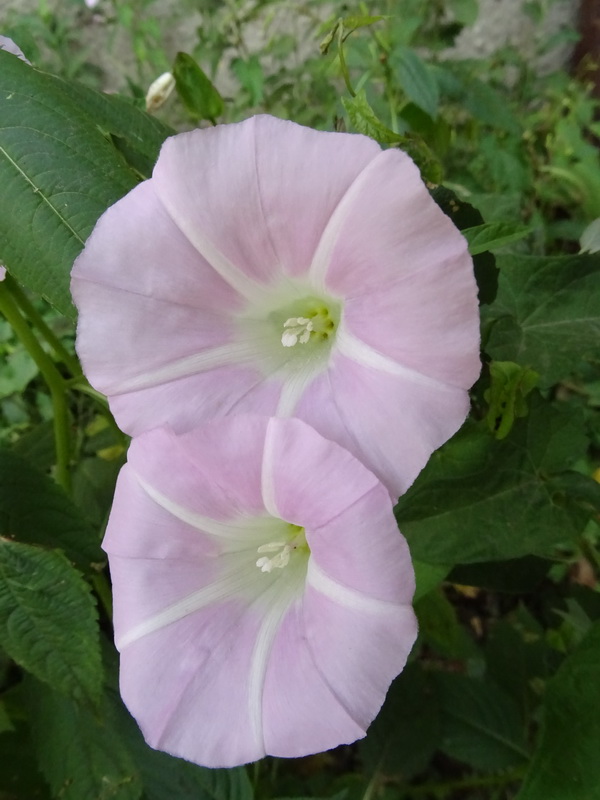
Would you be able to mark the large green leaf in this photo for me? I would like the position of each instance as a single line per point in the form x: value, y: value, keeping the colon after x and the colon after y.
x: 494, y: 235
x: 59, y: 170
x: 48, y: 619
x: 566, y: 764
x: 407, y: 730
x: 481, y: 724
x: 34, y: 509
x: 417, y: 80
x: 547, y: 313
x: 480, y: 499
x: 80, y: 751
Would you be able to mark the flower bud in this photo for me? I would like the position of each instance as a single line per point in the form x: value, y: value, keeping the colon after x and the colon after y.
x: 159, y: 91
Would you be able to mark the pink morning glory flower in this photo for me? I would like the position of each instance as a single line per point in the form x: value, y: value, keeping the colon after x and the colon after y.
x: 262, y: 590
x: 269, y: 268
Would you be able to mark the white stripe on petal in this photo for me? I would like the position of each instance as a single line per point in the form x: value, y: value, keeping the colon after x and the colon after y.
x: 267, y: 472
x: 322, y: 257
x: 343, y: 595
x: 294, y: 385
x: 361, y: 353
x: 247, y: 532
x: 276, y: 602
x: 236, y: 353
x: 237, y: 279
x: 228, y: 586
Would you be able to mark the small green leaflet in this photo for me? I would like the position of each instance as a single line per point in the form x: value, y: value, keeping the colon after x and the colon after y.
x: 506, y: 395
x: 417, y: 80
x: 494, y: 235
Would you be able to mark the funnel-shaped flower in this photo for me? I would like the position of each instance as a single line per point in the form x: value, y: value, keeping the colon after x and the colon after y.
x: 261, y: 587
x: 269, y: 268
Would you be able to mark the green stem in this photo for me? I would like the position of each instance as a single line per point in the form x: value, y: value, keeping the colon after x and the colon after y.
x: 590, y: 553
x: 38, y: 321
x: 53, y: 378
x: 79, y: 384
x: 343, y: 65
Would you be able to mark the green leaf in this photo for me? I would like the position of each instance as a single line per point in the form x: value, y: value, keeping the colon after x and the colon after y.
x: 481, y: 724
x: 48, y: 619
x: 406, y: 733
x: 480, y: 499
x: 19, y: 776
x: 494, y: 235
x: 428, y: 577
x: 17, y: 370
x: 58, y: 173
x: 417, y: 80
x: 440, y: 629
x: 364, y: 120
x: 566, y: 764
x: 251, y: 76
x: 5, y: 723
x: 590, y: 238
x: 547, y: 313
x: 80, y: 752
x: 506, y: 395
x: 52, y: 520
x: 195, y: 89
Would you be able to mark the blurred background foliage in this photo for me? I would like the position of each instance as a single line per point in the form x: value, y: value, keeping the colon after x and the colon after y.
x: 501, y: 697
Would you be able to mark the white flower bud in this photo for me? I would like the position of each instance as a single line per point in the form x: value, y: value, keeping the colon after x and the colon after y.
x: 159, y: 90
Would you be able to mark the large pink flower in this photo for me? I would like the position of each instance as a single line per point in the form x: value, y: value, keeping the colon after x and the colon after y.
x: 261, y: 590
x: 270, y: 268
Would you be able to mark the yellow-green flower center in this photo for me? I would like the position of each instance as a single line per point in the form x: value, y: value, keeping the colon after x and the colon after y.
x: 294, y: 544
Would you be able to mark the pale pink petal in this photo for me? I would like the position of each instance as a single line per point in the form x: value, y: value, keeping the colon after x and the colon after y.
x: 310, y: 479
x: 257, y: 195
x: 435, y: 328
x: 10, y: 47
x: 2, y: 273
x: 396, y: 420
x: 389, y: 230
x: 187, y: 685
x: 359, y: 670
x: 347, y: 551
x: 301, y: 712
x: 186, y: 402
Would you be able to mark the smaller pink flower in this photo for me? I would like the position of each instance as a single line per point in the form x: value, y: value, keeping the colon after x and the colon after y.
x: 262, y: 591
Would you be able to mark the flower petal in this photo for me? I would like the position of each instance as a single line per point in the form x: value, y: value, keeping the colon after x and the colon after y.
x: 396, y: 422
x: 306, y: 479
x: 388, y: 228
x: 223, y: 188
x: 301, y: 713
x: 358, y: 668
x: 123, y: 280
x: 187, y: 685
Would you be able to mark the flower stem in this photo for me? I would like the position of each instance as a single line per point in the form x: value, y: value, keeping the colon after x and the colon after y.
x: 36, y: 319
x: 51, y: 375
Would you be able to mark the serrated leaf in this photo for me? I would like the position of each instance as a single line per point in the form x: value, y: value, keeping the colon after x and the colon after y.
x: 80, y: 751
x: 566, y: 764
x: 407, y: 730
x: 34, y: 509
x: 58, y: 173
x: 417, y: 80
x: 481, y: 724
x: 48, y: 619
x: 480, y: 499
x: 494, y: 235
x: 199, y: 96
x: 365, y: 121
x: 547, y: 313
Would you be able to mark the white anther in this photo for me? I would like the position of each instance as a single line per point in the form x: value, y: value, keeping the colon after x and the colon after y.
x: 297, y: 329
x: 281, y: 560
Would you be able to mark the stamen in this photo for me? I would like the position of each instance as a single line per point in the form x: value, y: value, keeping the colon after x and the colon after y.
x: 298, y: 329
x: 281, y: 560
